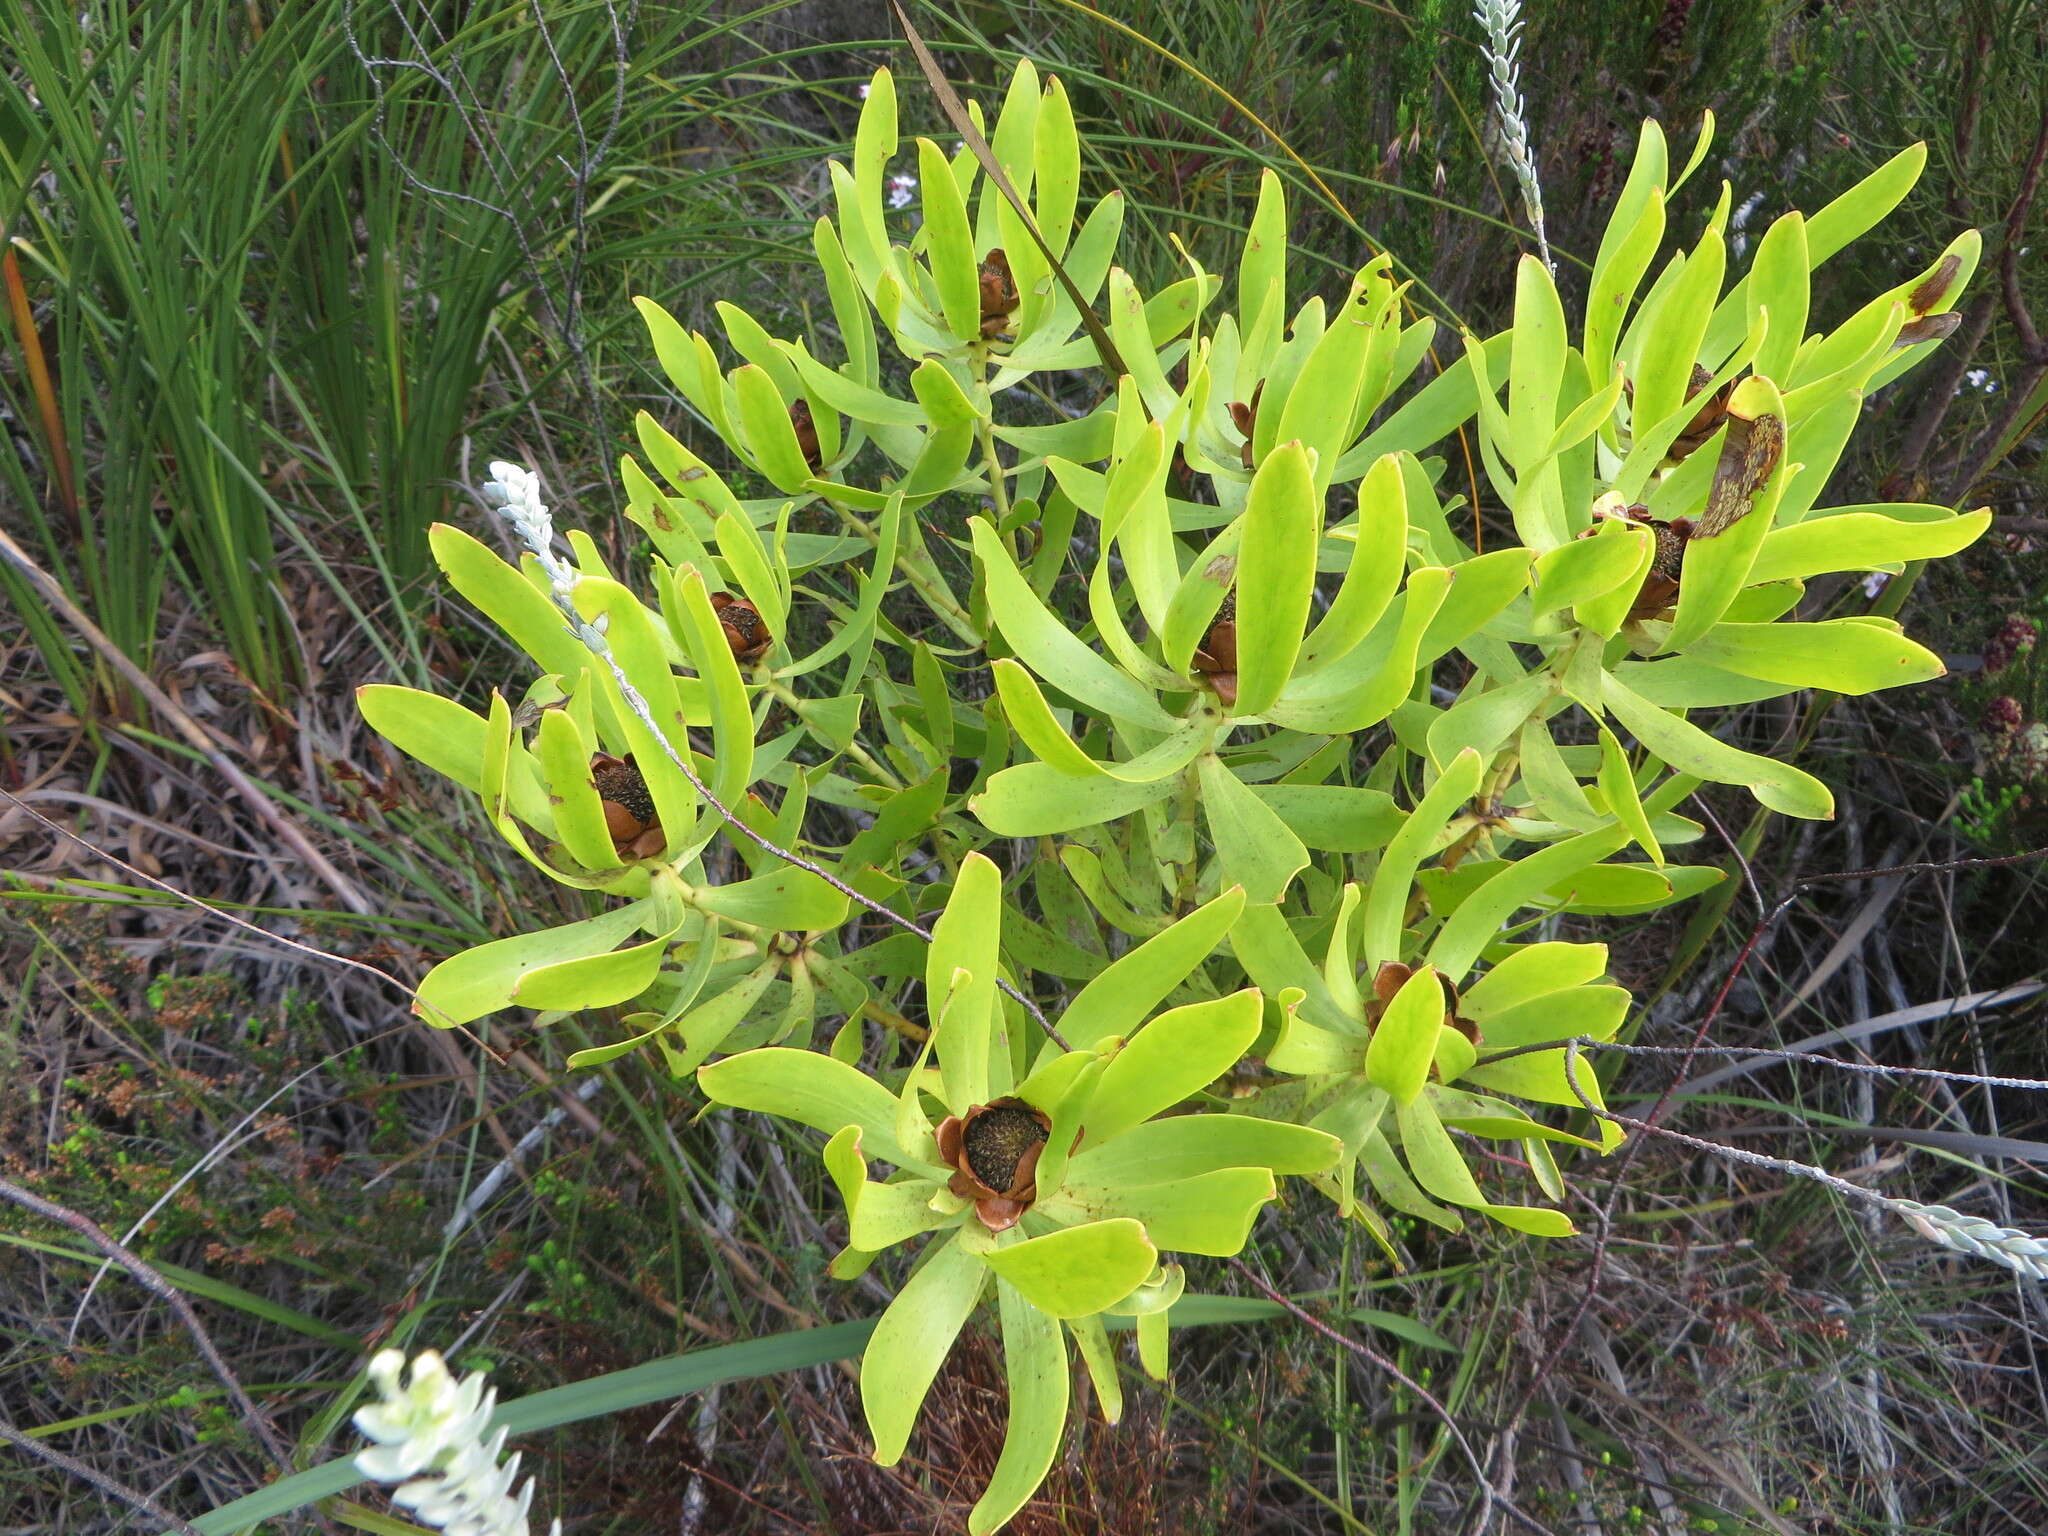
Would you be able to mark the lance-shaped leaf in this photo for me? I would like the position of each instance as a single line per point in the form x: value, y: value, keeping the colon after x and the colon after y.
x: 1634, y: 231
x: 1038, y: 800
x: 1558, y: 1015
x: 1780, y: 786
x: 1035, y: 1370
x: 1210, y: 1213
x: 1364, y: 687
x: 1606, y: 613
x: 732, y: 721
x: 1179, y: 1053
x: 878, y: 1216
x: 465, y: 987
x: 1780, y: 284
x: 1468, y: 930
x: 762, y: 577
x: 1666, y: 338
x: 949, y: 243
x: 449, y: 739
x: 1580, y: 570
x: 1861, y: 539
x: 1091, y: 1341
x: 507, y: 599
x: 1317, y: 411
x: 766, y: 431
x: 1404, y: 1041
x: 596, y: 981
x: 1183, y: 1146
x: 564, y: 753
x: 1842, y: 655
x: 1332, y: 817
x: 813, y: 1090
x: 1535, y: 372
x: 1276, y: 575
x: 1372, y: 574
x: 1742, y: 500
x: 706, y: 1027
x: 960, y: 983
x: 1049, y: 648
x: 1262, y: 269
x: 1533, y: 971
x: 1481, y: 588
x: 1393, y: 883
x: 1032, y: 719
x: 1618, y: 783
x: 1255, y: 847
x: 912, y: 1341
x: 787, y: 898
x: 1079, y: 1270
x: 1125, y: 992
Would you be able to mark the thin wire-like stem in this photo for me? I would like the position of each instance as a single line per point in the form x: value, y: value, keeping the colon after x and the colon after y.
x: 1863, y: 1068
x: 71, y: 1466
x: 148, y: 1278
x: 518, y: 493
x: 1938, y: 1223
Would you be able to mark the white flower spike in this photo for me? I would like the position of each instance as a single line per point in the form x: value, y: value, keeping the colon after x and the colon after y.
x: 429, y: 1434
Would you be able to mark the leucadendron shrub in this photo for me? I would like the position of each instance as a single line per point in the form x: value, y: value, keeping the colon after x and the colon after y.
x: 1090, y: 773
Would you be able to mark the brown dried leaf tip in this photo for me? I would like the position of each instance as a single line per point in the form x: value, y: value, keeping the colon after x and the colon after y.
x: 806, y: 433
x: 1216, y: 657
x: 628, y: 808
x: 993, y: 1151
x: 998, y: 293
x: 745, y: 630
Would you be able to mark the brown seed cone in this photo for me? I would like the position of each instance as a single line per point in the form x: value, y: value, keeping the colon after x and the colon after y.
x: 629, y: 814
x: 806, y: 432
x: 745, y: 630
x: 994, y: 1150
x: 998, y: 293
x: 1215, y: 659
x: 1392, y: 976
x: 1706, y: 421
x: 1245, y: 417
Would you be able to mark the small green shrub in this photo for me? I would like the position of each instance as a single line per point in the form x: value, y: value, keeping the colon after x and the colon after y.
x: 1071, y: 762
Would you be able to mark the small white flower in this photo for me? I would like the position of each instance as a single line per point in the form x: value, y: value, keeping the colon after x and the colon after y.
x: 1875, y: 583
x: 435, y: 1425
x: 1980, y: 378
x: 864, y: 88
x: 901, y: 189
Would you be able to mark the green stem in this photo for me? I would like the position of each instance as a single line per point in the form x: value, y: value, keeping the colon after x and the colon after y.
x: 800, y: 707
x: 925, y: 581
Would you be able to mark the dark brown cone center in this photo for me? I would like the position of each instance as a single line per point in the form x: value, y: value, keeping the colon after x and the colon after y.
x: 622, y: 784
x: 996, y: 1140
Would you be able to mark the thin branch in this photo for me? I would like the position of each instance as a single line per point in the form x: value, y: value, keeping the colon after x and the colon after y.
x: 71, y: 1466
x: 523, y: 509
x: 1693, y: 1049
x: 157, y: 1285
x: 1938, y: 1223
x: 167, y: 708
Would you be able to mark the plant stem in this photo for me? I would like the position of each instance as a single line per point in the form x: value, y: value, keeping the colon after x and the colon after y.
x: 800, y: 707
x: 925, y: 581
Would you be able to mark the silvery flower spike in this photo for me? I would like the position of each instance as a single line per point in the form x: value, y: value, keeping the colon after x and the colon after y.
x: 429, y: 1438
